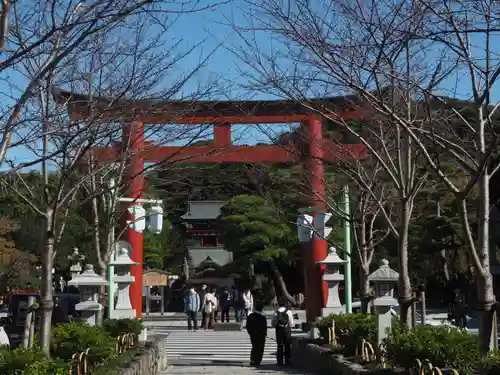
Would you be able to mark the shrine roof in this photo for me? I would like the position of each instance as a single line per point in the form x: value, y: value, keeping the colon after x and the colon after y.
x: 203, y: 210
x: 216, y: 255
x: 158, y: 111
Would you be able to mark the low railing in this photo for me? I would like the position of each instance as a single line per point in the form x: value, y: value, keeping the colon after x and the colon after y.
x: 79, y: 364
x: 427, y: 368
x: 125, y: 342
x: 366, y: 352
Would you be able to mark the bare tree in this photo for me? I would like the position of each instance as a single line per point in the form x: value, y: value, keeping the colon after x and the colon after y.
x: 416, y: 52
x: 304, y: 66
x: 51, y: 33
x: 87, y: 48
x: 371, y: 214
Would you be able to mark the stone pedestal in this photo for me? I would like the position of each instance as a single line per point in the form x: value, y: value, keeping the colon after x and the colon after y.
x: 123, y: 279
x: 332, y: 277
x: 88, y: 284
x: 384, y: 280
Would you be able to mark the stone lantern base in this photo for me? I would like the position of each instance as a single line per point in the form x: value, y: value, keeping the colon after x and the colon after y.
x: 325, y: 311
x: 89, y: 311
x: 123, y: 314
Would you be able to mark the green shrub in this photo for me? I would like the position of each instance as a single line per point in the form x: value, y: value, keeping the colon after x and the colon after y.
x: 116, y: 365
x: 22, y: 361
x: 116, y: 327
x: 361, y: 326
x: 491, y: 364
x: 443, y: 346
x: 68, y: 339
x: 351, y: 329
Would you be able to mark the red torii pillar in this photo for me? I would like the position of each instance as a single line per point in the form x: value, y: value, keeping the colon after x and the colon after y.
x: 316, y: 289
x: 133, y: 137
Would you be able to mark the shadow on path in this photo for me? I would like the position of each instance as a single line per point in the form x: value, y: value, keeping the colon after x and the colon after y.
x: 233, y: 369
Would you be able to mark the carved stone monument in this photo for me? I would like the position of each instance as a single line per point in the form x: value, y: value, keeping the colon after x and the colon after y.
x: 76, y: 258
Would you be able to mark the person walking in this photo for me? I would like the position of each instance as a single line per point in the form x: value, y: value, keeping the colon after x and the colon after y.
x: 236, y: 302
x: 247, y: 303
x: 460, y: 310
x: 191, y: 308
x: 283, y: 322
x: 203, y: 292
x: 217, y: 308
x: 209, y: 307
x: 257, y: 330
x: 225, y: 305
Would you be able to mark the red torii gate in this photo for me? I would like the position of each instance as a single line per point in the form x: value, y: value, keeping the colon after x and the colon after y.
x: 135, y: 113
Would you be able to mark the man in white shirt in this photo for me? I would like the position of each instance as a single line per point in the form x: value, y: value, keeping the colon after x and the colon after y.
x: 247, y: 302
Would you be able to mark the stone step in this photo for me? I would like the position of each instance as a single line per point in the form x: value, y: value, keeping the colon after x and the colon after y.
x: 227, y: 326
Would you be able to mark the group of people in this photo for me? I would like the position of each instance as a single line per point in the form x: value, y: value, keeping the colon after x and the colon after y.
x: 209, y: 302
x: 282, y: 322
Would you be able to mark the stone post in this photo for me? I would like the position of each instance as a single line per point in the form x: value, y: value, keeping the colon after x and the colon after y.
x: 122, y: 263
x: 332, y: 277
x: 89, y: 284
x: 384, y: 280
x: 75, y: 269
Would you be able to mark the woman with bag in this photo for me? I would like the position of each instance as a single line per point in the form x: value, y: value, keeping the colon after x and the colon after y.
x: 209, y: 307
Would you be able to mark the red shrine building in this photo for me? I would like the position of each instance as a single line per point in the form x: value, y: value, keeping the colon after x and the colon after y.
x: 205, y: 253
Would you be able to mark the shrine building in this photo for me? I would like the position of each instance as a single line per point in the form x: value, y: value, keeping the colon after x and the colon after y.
x: 206, y: 254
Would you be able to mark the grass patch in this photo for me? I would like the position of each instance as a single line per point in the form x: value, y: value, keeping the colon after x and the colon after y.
x: 115, y: 365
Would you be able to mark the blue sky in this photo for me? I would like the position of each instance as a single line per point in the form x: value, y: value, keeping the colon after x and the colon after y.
x: 213, y: 27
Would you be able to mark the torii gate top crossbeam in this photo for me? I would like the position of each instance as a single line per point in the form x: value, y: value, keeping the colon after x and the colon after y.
x: 201, y: 112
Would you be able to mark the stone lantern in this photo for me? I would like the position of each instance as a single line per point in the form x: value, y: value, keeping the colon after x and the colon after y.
x: 122, y: 263
x: 332, y: 277
x: 385, y: 280
x: 75, y: 257
x: 89, y: 283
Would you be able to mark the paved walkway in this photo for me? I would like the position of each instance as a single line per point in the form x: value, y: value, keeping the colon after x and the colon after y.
x: 219, y: 352
x: 226, y: 347
x: 231, y: 370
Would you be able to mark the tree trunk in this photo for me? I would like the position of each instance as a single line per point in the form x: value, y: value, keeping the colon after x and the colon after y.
x: 102, y: 297
x: 281, y: 283
x: 364, y: 289
x: 446, y: 272
x: 404, y: 290
x: 366, y: 238
x: 46, y: 293
x: 486, y: 296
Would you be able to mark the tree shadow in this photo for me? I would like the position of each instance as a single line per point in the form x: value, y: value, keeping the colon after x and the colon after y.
x: 271, y: 368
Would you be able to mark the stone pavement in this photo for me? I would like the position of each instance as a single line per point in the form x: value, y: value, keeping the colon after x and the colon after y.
x: 232, y: 370
x: 219, y: 347
x: 217, y: 352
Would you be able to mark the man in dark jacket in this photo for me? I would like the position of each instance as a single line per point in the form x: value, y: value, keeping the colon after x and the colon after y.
x: 225, y: 305
x: 257, y: 329
x: 203, y: 292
